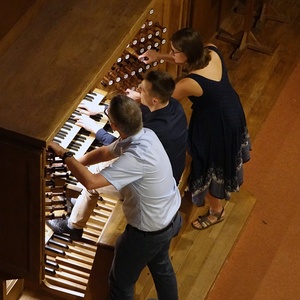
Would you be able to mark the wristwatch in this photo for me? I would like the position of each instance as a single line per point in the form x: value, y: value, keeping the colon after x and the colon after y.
x: 67, y: 154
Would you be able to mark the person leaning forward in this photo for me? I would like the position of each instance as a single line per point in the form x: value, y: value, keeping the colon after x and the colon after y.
x: 142, y: 173
x: 218, y: 139
x: 161, y: 113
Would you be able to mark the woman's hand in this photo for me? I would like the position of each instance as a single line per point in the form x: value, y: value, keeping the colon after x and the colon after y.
x: 149, y: 56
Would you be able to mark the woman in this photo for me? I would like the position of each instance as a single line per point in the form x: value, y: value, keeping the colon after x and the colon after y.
x: 218, y: 137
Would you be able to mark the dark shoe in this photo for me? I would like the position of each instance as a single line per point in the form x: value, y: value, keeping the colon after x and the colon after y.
x: 60, y: 226
x: 203, y: 222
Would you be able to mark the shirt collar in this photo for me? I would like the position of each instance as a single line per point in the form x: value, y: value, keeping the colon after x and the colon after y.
x: 128, y: 140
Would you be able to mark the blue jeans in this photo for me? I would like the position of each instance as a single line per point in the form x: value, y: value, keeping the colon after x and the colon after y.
x: 135, y: 250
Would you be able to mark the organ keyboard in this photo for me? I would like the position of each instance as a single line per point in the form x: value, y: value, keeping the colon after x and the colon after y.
x: 75, y: 138
x: 68, y: 263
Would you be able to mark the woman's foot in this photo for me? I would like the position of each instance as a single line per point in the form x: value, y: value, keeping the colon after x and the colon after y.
x: 209, y: 219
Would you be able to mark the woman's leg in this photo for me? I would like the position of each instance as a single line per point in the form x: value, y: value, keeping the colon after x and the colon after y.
x: 215, y: 204
x: 215, y: 214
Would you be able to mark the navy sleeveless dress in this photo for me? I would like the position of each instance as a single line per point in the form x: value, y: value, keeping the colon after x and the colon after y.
x: 219, y: 142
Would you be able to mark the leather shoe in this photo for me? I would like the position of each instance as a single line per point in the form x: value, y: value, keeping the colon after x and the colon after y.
x: 60, y: 226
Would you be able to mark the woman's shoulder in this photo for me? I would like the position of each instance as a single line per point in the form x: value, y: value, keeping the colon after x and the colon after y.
x: 210, y: 45
x: 213, y: 49
x: 186, y: 87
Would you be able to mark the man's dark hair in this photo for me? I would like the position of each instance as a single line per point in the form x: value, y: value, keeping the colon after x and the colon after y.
x: 126, y: 114
x: 163, y: 85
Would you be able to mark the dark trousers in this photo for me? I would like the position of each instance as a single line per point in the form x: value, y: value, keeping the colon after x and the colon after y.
x: 135, y: 250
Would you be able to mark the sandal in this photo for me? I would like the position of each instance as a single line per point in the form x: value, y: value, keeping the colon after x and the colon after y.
x: 205, y: 222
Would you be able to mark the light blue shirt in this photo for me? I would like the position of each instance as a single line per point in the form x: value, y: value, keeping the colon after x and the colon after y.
x: 143, y: 175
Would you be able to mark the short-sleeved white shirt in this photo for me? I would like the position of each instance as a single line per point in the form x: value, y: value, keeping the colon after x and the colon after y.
x: 143, y: 175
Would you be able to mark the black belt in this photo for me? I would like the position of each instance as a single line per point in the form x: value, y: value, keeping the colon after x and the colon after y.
x: 155, y: 232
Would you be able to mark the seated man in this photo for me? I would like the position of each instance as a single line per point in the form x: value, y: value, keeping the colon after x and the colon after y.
x: 161, y: 113
x: 142, y: 172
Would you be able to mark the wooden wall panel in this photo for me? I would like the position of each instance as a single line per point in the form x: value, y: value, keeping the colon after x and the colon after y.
x: 206, y: 16
x: 20, y: 222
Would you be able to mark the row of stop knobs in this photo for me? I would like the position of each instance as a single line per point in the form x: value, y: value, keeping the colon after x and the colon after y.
x: 128, y: 70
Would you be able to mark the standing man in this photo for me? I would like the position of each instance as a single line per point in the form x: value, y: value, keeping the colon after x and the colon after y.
x: 161, y: 113
x: 143, y: 175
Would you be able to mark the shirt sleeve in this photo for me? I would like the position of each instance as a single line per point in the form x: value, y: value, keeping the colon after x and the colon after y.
x: 123, y: 171
x: 104, y: 137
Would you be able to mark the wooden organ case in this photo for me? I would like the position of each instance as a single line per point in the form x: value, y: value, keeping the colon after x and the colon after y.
x: 67, y: 53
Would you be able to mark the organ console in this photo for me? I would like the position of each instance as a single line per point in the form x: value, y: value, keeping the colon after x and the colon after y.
x: 67, y: 53
x: 58, y: 53
x: 70, y: 51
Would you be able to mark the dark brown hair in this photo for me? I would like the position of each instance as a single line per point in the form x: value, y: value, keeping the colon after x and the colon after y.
x: 189, y: 41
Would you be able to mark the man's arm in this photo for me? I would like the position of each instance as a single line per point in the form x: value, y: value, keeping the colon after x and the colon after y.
x: 84, y: 176
x: 78, y: 167
x: 105, y: 137
x: 98, y: 155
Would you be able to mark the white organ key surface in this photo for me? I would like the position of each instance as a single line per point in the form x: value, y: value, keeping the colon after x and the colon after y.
x: 65, y: 136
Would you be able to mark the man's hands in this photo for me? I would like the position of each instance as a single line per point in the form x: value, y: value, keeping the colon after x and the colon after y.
x: 90, y: 109
x: 133, y: 95
x: 59, y: 150
x: 87, y: 123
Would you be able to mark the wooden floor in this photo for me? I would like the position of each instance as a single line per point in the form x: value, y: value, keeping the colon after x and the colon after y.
x: 198, y: 256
